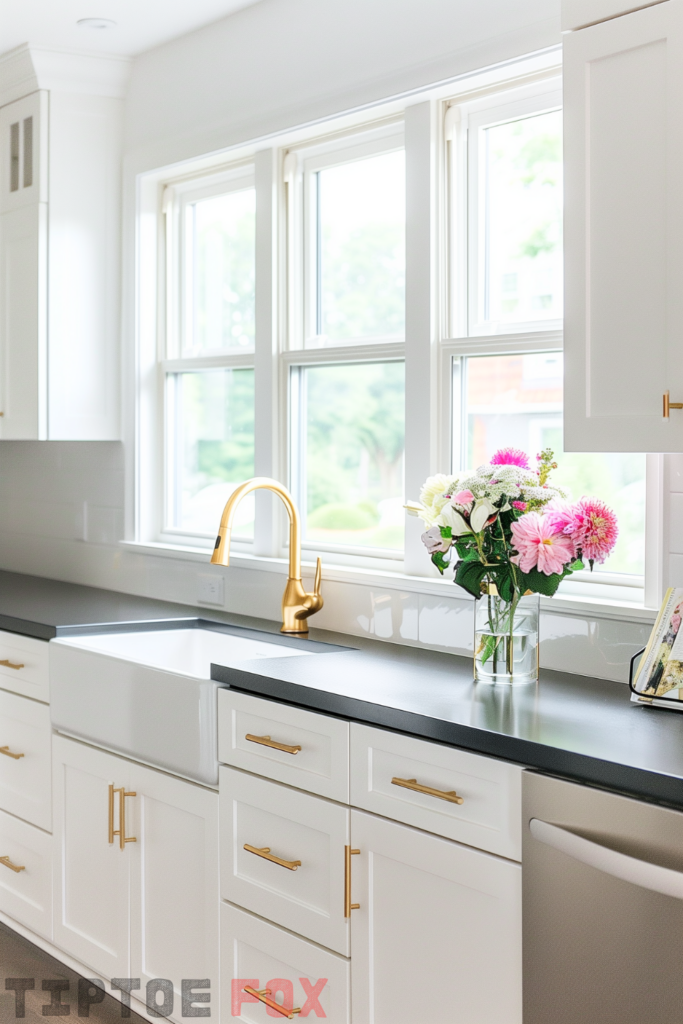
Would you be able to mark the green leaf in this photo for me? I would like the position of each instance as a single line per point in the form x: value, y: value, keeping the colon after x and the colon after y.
x: 446, y: 532
x: 440, y: 562
x: 487, y: 647
x: 505, y: 582
x: 539, y: 583
x: 469, y: 575
x: 575, y: 566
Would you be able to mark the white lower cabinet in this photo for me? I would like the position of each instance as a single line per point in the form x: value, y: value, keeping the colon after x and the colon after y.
x: 149, y: 910
x: 299, y: 974
x: 437, y: 938
x: 26, y: 874
x: 282, y: 856
x: 25, y: 740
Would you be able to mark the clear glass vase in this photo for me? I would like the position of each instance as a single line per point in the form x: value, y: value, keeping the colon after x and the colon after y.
x: 506, y: 639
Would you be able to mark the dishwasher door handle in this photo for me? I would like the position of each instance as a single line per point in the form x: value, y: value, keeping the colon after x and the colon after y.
x: 620, y: 865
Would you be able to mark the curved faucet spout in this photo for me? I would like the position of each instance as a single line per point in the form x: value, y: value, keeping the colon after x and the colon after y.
x: 297, y: 605
x: 221, y: 551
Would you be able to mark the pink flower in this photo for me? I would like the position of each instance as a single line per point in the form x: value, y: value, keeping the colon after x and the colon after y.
x: 599, y: 530
x: 463, y: 498
x: 520, y: 505
x: 564, y: 517
x: 589, y: 524
x: 539, y: 545
x: 433, y: 540
x: 510, y: 457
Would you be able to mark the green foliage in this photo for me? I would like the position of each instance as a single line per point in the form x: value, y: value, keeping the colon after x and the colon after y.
x: 440, y: 561
x: 338, y: 516
x: 539, y: 583
x: 470, y: 574
x: 363, y: 288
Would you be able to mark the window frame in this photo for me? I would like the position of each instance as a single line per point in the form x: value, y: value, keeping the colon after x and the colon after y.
x: 174, y: 357
x: 300, y: 164
x: 436, y: 320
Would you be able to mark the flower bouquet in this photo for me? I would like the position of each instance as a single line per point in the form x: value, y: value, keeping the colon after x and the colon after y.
x: 514, y: 537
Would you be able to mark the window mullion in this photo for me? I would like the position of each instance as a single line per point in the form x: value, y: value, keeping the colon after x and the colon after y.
x: 267, y: 526
x: 421, y: 318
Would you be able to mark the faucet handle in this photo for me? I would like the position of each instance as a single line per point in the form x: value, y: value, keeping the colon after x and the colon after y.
x: 318, y: 578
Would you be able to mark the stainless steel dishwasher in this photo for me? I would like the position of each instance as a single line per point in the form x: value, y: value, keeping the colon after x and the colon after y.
x: 603, y: 907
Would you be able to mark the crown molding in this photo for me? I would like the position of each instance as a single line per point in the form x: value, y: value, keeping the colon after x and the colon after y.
x: 28, y: 68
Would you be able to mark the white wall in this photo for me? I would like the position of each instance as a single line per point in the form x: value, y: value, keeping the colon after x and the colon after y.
x: 283, y: 63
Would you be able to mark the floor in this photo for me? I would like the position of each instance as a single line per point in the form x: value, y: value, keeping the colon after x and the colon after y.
x: 23, y: 962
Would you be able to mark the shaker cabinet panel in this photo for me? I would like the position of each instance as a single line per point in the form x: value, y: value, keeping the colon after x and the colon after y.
x: 26, y: 874
x: 175, y: 897
x: 438, y: 933
x: 25, y: 768
x: 282, y: 856
x: 623, y: 115
x: 91, y: 872
x: 299, y: 974
x: 23, y: 149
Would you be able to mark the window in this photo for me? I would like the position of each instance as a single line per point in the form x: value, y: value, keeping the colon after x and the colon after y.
x: 346, y: 369
x: 208, y: 369
x: 506, y: 202
x: 282, y: 348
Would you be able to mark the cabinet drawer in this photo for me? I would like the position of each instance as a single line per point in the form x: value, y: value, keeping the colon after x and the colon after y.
x: 321, y: 765
x: 26, y: 895
x: 26, y: 666
x: 489, y: 816
x: 25, y: 782
x: 307, y: 897
x: 258, y: 954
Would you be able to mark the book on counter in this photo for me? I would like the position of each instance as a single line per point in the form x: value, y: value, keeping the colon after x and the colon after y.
x: 659, y: 676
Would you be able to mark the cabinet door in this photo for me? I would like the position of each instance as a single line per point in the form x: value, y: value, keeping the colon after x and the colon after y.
x: 25, y: 768
x: 623, y: 114
x: 282, y: 856
x: 23, y: 318
x: 438, y: 934
x: 23, y: 151
x: 301, y: 974
x: 91, y: 874
x: 175, y: 893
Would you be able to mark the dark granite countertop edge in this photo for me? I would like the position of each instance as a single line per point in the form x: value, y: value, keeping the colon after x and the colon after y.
x: 628, y: 779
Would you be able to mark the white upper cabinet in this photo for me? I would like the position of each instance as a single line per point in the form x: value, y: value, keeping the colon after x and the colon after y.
x: 59, y: 266
x: 579, y: 13
x: 623, y: 112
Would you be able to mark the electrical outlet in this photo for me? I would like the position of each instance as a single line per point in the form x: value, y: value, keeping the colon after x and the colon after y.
x: 211, y: 590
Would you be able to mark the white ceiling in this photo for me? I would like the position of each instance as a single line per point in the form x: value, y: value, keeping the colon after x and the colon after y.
x: 140, y: 24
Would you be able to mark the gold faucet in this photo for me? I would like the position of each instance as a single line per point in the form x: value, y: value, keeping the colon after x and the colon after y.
x: 297, y: 605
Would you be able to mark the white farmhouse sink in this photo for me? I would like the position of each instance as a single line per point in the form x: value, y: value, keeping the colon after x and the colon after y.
x: 149, y: 694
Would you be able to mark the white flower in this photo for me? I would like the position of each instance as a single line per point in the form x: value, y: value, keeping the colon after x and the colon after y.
x: 480, y: 513
x: 451, y: 517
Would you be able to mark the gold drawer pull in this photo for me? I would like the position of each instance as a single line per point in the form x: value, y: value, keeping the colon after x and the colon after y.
x: 667, y: 404
x: 264, y: 851
x: 440, y: 794
x: 348, y: 905
x: 123, y: 838
x: 263, y: 994
x: 8, y: 753
x: 13, y: 867
x: 266, y: 741
x: 10, y: 664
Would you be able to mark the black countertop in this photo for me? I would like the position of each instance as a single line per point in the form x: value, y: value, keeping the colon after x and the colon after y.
x: 569, y: 725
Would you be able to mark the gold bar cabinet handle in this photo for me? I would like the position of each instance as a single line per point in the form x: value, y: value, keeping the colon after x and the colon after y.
x: 13, y: 867
x: 666, y: 406
x: 123, y: 838
x: 263, y: 994
x: 8, y: 753
x: 348, y: 905
x: 10, y: 664
x: 266, y: 741
x: 416, y: 787
x: 264, y: 851
x: 110, y: 817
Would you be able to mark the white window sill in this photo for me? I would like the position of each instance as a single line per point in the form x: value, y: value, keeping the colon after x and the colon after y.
x: 624, y: 603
